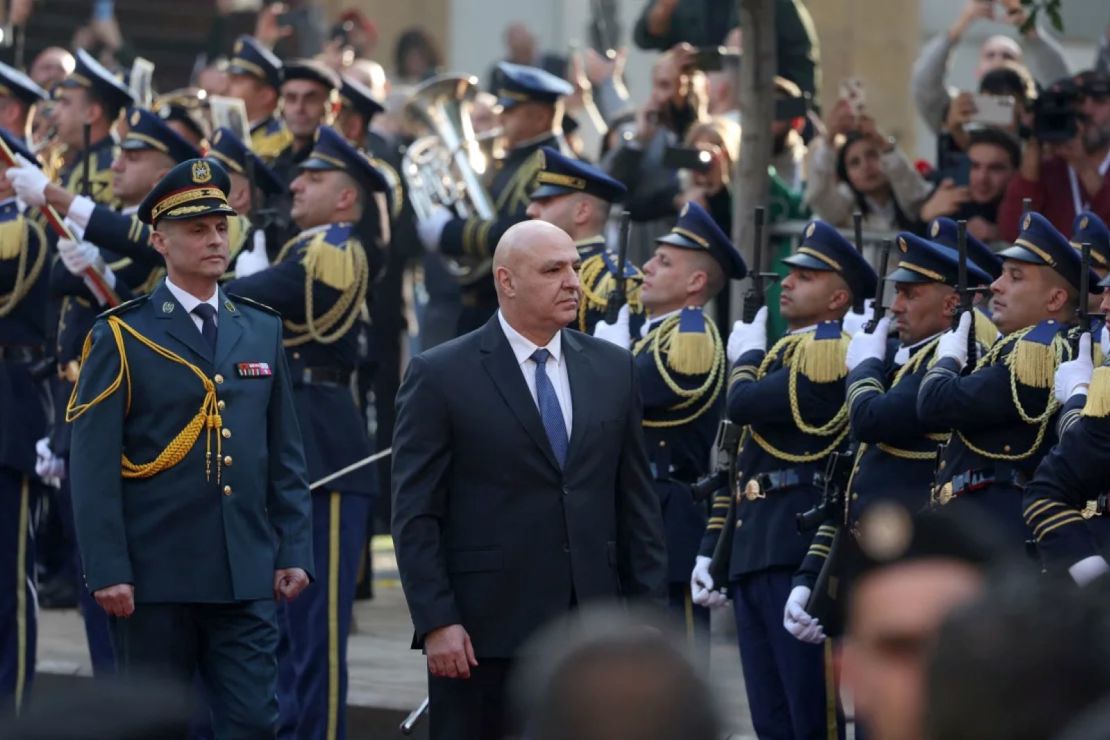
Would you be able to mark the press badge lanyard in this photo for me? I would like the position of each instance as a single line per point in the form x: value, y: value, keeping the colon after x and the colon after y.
x: 1073, y: 180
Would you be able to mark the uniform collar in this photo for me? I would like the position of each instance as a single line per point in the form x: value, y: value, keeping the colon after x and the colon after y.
x: 655, y: 321
x: 189, y: 301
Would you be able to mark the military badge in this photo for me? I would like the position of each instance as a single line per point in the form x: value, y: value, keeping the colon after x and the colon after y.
x: 202, y: 172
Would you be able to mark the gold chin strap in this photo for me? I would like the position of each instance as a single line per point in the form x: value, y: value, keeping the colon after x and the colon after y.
x: 207, y: 417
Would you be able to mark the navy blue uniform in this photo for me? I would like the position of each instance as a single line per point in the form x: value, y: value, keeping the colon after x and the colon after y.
x: 598, y: 275
x: 795, y: 418
x: 321, y: 343
x: 23, y: 259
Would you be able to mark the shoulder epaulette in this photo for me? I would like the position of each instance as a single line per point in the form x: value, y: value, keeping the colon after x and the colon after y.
x: 821, y: 353
x: 124, y: 307
x: 270, y: 139
x: 597, y: 275
x: 692, y: 347
x: 1037, y: 353
x: 986, y: 333
x: 253, y: 304
x: 330, y: 257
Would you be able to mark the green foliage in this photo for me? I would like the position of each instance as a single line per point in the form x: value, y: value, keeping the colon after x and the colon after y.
x: 1051, y: 8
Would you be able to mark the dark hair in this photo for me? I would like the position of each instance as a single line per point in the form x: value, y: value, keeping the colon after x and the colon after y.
x: 1010, y: 78
x: 416, y: 39
x: 999, y: 138
x: 903, y: 222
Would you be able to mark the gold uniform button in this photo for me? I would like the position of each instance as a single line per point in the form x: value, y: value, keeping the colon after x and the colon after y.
x: 296, y: 355
x: 227, y: 490
x: 227, y: 460
x: 1005, y: 448
x: 855, y: 497
x: 220, y: 405
x: 218, y: 378
x: 227, y: 433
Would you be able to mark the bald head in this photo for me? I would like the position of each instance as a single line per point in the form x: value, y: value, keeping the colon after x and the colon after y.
x: 535, y: 270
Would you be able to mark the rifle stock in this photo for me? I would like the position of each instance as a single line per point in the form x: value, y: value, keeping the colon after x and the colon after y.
x: 966, y: 293
x: 756, y: 296
x: 729, y: 437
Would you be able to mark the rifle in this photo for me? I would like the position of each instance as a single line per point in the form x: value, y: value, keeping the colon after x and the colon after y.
x: 967, y: 295
x: 86, y: 165
x: 757, y: 293
x: 857, y: 227
x: 95, y: 281
x: 619, y: 294
x: 1026, y: 206
x: 824, y: 600
x: 879, y: 309
x: 727, y: 444
x: 1082, y: 312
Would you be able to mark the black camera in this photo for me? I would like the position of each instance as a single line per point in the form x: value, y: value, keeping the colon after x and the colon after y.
x: 1055, y: 117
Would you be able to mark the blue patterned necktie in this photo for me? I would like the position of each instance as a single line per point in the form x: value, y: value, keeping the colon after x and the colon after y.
x: 208, y: 323
x: 550, y: 411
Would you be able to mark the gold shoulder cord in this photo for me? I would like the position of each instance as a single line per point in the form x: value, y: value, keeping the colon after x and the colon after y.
x: 24, y: 278
x: 207, y: 417
x: 792, y: 347
x: 342, y: 315
x: 659, y: 341
x: 1059, y: 350
x: 912, y: 366
x: 597, y: 282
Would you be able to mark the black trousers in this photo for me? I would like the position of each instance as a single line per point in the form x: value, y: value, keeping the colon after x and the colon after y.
x: 231, y: 646
x: 475, y: 708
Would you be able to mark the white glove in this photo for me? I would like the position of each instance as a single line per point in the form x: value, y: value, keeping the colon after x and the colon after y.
x: 253, y: 260
x: 748, y: 337
x: 1104, y: 340
x: 430, y: 229
x: 853, y: 321
x: 46, y: 464
x: 953, y: 343
x: 866, y: 346
x: 1074, y: 376
x: 1088, y: 569
x: 616, y: 333
x: 797, y: 622
x: 29, y: 181
x: 701, y: 585
x: 79, y: 256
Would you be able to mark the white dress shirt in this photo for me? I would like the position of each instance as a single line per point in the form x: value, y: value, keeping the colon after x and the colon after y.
x: 189, y: 301
x: 556, y: 366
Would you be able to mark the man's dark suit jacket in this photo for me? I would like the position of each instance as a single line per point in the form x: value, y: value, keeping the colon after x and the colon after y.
x: 489, y: 532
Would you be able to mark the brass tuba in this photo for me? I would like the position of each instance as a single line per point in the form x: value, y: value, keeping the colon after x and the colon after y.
x: 445, y: 166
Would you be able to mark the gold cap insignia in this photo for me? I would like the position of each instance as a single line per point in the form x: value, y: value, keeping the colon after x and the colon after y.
x: 1083, y: 222
x: 886, y: 531
x: 135, y: 118
x: 238, y: 47
x: 902, y: 244
x: 935, y: 230
x: 1027, y: 222
x: 202, y: 172
x: 810, y: 229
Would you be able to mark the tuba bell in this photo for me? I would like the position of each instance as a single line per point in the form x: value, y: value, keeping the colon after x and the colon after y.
x: 445, y: 166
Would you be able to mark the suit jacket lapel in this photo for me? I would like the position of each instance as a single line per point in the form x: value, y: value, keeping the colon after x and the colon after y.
x: 180, y: 325
x: 500, y: 362
x: 580, y: 372
x: 229, y: 329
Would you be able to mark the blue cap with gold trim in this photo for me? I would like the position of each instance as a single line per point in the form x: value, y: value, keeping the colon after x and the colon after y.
x: 823, y: 248
x: 696, y: 229
x: 523, y: 84
x: 356, y: 96
x: 249, y: 57
x: 945, y: 231
x: 332, y: 152
x: 561, y: 175
x: 91, y: 75
x: 15, y: 84
x: 1088, y: 228
x: 311, y: 70
x: 194, y: 188
x: 147, y: 130
x: 927, y: 262
x: 1039, y: 243
x: 230, y: 152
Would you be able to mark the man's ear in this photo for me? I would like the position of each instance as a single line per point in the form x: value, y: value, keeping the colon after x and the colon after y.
x: 504, y: 277
x: 841, y: 298
x: 158, y: 241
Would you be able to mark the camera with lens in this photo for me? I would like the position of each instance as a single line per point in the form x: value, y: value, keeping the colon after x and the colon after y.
x: 1055, y: 117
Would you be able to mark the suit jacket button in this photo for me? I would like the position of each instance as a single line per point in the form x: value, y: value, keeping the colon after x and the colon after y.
x: 218, y: 378
x: 226, y: 433
x: 565, y: 491
x: 227, y: 490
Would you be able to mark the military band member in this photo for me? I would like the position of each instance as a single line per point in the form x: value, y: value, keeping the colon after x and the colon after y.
x: 18, y: 97
x: 357, y: 107
x: 1002, y: 413
x: 792, y: 401
x: 309, y: 90
x: 254, y: 76
x: 183, y: 111
x: 319, y: 284
x: 681, y: 367
x: 577, y: 197
x: 23, y: 338
x: 250, y: 177
x: 189, y: 483
x: 531, y: 116
x: 895, y: 453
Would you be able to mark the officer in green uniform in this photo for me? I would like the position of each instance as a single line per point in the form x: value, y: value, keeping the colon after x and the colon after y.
x: 577, y: 197
x: 189, y: 479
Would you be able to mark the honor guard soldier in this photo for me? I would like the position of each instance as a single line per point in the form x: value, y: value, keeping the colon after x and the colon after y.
x: 1066, y: 503
x: 250, y: 178
x: 319, y: 284
x: 1002, y: 412
x: 681, y: 368
x: 23, y: 336
x: 189, y: 479
x: 1088, y: 228
x: 577, y: 197
x: 254, y: 76
x: 531, y: 116
x: 89, y: 95
x: 20, y: 95
x: 792, y: 401
x: 895, y: 454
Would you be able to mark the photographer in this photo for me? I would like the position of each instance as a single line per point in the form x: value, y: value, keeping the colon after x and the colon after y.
x: 1008, y: 80
x: 1065, y: 163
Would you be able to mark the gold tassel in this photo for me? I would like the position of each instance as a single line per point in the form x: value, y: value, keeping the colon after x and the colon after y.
x: 331, y: 265
x: 690, y: 352
x: 986, y: 333
x: 1034, y: 364
x: 823, y: 359
x: 1098, y: 394
x: 13, y: 238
